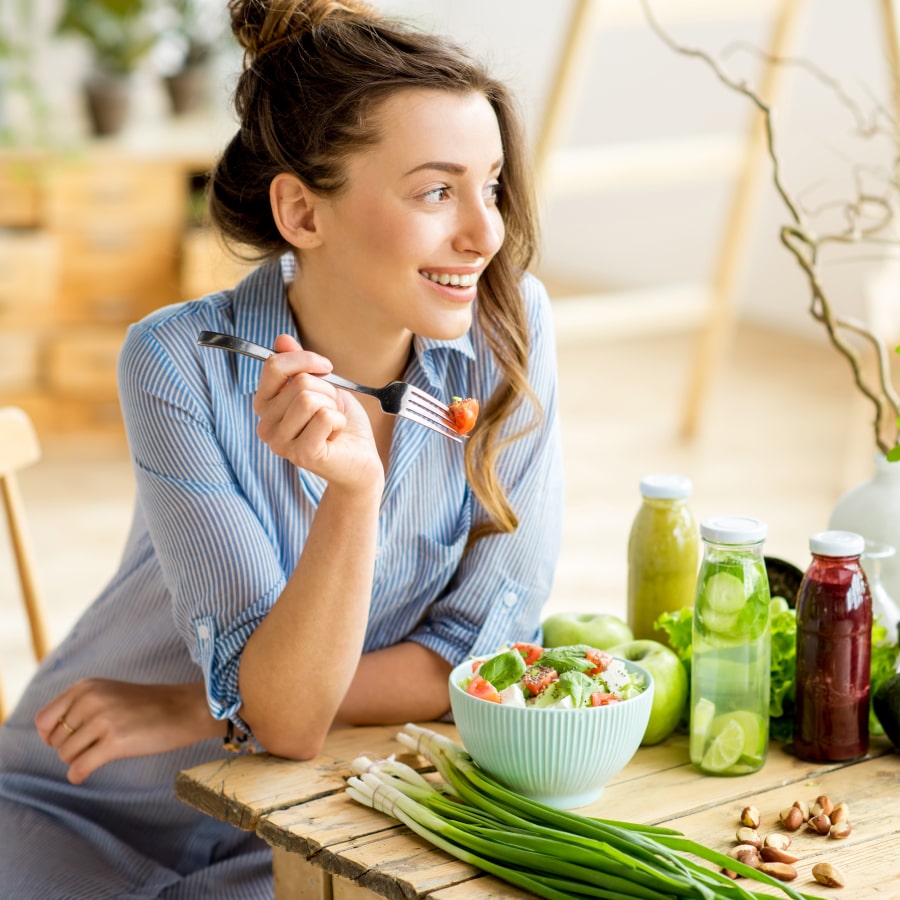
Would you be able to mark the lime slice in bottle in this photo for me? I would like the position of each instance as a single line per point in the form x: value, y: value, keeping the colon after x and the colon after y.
x: 725, y: 749
x: 724, y: 593
x: 702, y: 716
x: 753, y: 729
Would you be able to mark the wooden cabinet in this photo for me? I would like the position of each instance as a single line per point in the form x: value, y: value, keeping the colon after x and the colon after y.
x: 91, y: 241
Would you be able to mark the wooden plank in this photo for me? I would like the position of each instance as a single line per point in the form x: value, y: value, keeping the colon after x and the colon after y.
x: 241, y: 789
x: 657, y: 797
x: 297, y: 879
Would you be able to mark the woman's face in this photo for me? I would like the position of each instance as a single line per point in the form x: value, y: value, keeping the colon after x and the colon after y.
x: 417, y: 221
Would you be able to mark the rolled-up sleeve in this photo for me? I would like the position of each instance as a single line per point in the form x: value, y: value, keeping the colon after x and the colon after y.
x: 218, y: 558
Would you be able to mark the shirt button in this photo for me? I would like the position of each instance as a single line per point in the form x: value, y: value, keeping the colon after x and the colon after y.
x: 203, y: 632
x: 509, y: 599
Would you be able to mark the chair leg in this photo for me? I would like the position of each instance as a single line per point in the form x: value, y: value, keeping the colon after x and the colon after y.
x: 24, y: 561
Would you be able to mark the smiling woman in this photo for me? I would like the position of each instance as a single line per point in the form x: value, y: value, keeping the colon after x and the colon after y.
x: 296, y: 554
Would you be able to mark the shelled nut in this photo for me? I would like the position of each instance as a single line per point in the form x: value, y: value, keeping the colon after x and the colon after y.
x: 750, y: 817
x: 840, y: 830
x: 827, y: 874
x: 750, y: 836
x: 792, y: 818
x: 803, y: 807
x: 781, y: 871
x: 820, y: 824
x: 747, y: 854
x: 839, y: 813
x: 777, y: 839
x: 774, y: 854
x: 822, y: 804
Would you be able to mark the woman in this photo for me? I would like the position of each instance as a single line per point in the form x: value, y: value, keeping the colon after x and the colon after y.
x: 299, y: 560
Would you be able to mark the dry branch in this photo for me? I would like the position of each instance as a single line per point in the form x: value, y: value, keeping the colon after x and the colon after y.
x: 869, y: 218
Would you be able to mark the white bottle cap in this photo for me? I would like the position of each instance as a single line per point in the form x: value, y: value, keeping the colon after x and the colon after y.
x: 733, y: 530
x: 837, y: 543
x: 665, y: 487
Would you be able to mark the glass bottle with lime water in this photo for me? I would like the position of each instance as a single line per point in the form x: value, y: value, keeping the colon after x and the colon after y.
x: 663, y: 554
x: 730, y: 658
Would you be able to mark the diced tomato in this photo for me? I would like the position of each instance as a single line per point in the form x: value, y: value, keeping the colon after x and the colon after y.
x: 530, y: 652
x: 599, y: 698
x: 600, y: 659
x: 476, y: 664
x: 482, y: 689
x: 464, y: 412
x: 539, y: 678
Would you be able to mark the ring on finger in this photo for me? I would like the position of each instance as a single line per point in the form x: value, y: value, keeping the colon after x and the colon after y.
x: 69, y: 729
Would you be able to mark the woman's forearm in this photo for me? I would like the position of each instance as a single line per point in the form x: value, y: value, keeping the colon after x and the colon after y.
x: 298, y: 665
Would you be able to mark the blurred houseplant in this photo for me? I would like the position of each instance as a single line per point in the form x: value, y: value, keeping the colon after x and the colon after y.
x: 120, y: 35
x: 194, y: 31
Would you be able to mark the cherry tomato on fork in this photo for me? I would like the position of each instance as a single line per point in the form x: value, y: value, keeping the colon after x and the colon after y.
x: 464, y: 412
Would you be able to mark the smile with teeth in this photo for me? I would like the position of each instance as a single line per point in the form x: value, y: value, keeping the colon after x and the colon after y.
x: 455, y: 280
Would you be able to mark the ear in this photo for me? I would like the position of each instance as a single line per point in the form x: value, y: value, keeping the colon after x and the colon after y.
x: 295, y: 210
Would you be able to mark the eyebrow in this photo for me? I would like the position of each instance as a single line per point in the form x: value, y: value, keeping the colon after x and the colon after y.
x: 449, y: 167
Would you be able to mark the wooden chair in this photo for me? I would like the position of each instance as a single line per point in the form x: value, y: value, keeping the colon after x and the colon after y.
x: 19, y: 447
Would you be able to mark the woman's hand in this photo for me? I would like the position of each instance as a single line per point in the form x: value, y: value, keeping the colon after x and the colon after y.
x: 96, y: 721
x: 310, y: 422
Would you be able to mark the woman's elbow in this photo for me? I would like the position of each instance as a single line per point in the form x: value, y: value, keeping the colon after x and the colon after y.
x: 298, y: 745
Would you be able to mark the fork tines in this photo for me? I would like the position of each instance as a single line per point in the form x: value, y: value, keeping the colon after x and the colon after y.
x: 428, y: 411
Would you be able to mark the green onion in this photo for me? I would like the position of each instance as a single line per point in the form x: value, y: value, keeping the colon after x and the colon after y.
x: 552, y: 853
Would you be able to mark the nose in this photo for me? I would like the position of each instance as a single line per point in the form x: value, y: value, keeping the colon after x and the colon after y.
x: 480, y: 229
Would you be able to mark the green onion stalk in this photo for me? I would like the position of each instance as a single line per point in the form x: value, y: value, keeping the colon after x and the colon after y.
x: 550, y: 852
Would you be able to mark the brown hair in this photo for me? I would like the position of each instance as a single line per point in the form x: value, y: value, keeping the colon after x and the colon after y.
x: 314, y: 72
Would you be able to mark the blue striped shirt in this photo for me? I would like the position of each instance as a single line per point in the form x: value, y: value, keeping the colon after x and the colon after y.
x: 219, y: 525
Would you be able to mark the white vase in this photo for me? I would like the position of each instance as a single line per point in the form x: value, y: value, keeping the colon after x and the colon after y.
x: 872, y: 509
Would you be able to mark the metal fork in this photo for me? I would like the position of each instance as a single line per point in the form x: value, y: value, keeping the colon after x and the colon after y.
x: 397, y: 398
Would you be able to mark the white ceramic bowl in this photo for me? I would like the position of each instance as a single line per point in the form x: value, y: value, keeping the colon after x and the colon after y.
x: 561, y: 757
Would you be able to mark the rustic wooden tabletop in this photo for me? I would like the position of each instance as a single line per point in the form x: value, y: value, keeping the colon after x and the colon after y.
x: 328, y: 847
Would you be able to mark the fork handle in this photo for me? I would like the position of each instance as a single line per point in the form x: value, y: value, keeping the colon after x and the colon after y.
x: 258, y: 351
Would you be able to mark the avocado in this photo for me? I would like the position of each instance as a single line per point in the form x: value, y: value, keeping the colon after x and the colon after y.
x: 886, y: 705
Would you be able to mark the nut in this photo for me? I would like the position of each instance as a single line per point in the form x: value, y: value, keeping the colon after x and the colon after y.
x: 750, y: 836
x: 792, y: 818
x: 781, y: 871
x: 774, y: 854
x: 750, y: 817
x: 821, y: 824
x: 747, y: 854
x: 839, y: 813
x: 840, y: 830
x: 777, y: 839
x: 827, y: 874
x: 729, y: 874
x: 803, y: 806
x: 823, y: 801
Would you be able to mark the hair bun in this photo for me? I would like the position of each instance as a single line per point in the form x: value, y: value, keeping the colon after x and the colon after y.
x: 262, y: 25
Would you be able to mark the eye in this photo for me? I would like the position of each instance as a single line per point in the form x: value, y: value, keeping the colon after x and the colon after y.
x: 435, y: 195
x: 493, y: 191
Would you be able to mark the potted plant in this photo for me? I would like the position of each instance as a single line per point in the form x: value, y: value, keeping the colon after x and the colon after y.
x: 120, y: 34
x: 190, y: 40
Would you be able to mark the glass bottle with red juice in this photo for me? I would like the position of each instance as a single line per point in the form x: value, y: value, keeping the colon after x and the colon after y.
x: 834, y: 645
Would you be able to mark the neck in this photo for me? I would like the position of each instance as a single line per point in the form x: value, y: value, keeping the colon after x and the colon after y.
x: 332, y: 326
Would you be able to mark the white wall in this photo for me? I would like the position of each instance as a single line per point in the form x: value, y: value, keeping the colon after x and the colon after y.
x: 637, y: 88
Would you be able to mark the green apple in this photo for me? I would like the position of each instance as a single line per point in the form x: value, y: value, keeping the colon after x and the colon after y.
x: 600, y: 630
x: 670, y: 685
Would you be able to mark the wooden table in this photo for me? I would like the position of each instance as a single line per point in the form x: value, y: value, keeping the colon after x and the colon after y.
x: 327, y: 847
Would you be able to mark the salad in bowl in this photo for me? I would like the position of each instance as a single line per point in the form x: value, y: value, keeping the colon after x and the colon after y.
x: 527, y: 675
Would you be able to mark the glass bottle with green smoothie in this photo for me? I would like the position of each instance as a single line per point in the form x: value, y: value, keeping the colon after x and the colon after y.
x: 663, y: 554
x: 730, y: 657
